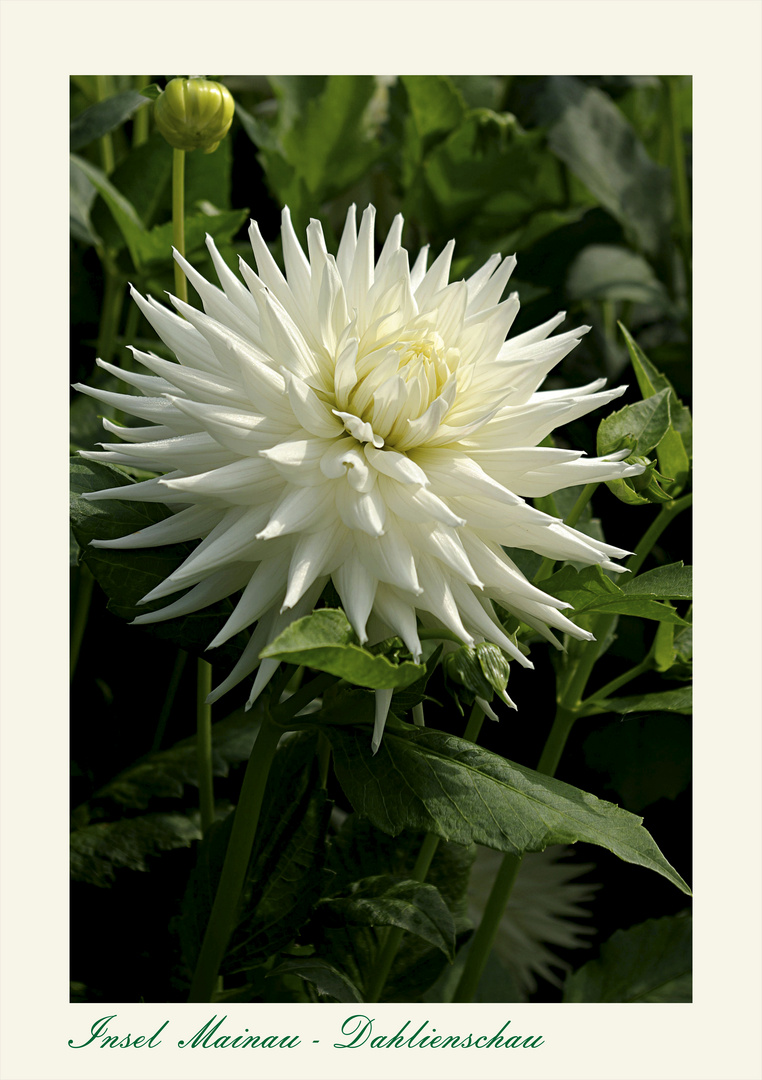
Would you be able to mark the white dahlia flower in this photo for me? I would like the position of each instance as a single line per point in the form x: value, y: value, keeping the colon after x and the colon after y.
x: 358, y: 421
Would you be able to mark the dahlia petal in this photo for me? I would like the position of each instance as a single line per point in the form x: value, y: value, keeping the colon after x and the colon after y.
x: 314, y: 556
x: 396, y: 466
x: 383, y: 701
x: 264, y: 586
x: 347, y: 245
x: 396, y: 611
x: 209, y: 591
x: 188, y: 524
x: 356, y: 589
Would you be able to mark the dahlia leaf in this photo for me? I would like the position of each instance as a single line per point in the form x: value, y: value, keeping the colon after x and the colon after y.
x: 165, y: 774
x: 325, y: 641
x: 284, y: 878
x: 103, y: 117
x: 674, y: 449
x: 595, y: 140
x: 156, y: 246
x: 97, y: 851
x: 327, y: 980
x: 639, y: 427
x: 650, y: 381
x: 467, y: 794
x: 672, y: 582
x: 142, y: 177
x: 122, y: 210
x: 589, y: 591
x: 436, y: 106
x: 650, y: 962
x: 679, y: 701
x: 414, y: 906
x: 607, y: 272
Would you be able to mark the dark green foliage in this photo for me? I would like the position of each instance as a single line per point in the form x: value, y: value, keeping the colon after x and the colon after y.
x: 648, y: 963
x: 572, y: 174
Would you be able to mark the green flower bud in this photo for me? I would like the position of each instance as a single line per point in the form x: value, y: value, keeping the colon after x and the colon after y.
x: 476, y: 671
x: 194, y: 114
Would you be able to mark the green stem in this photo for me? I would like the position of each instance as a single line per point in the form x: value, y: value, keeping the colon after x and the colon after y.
x: 666, y: 515
x: 682, y: 196
x: 204, y: 744
x: 113, y: 297
x: 393, y: 938
x: 224, y: 909
x: 615, y: 684
x: 563, y: 722
x: 178, y: 219
x: 567, y: 711
x: 169, y: 698
x: 103, y: 91
x: 81, y: 611
x: 483, y: 939
x: 140, y: 123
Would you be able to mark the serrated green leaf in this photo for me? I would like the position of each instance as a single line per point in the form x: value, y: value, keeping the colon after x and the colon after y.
x: 326, y: 641
x: 679, y: 701
x: 672, y: 582
x: 640, y: 427
x: 590, y: 591
x: 675, y: 448
x: 467, y: 794
x: 328, y: 980
x: 414, y: 906
x: 98, y: 851
x: 436, y: 105
x: 103, y: 117
x: 637, y: 965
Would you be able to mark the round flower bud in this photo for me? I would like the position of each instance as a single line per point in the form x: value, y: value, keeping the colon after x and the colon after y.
x: 194, y: 114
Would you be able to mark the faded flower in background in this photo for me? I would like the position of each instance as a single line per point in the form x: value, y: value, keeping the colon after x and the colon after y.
x: 357, y: 421
x: 543, y: 913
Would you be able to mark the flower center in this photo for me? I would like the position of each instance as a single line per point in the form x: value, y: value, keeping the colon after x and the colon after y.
x: 395, y: 382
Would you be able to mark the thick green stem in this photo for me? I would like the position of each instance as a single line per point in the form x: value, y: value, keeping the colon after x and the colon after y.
x: 225, y: 907
x: 666, y: 515
x: 204, y: 744
x: 483, y: 939
x: 679, y: 177
x: 178, y: 219
x: 140, y: 123
x: 103, y: 91
x: 81, y: 611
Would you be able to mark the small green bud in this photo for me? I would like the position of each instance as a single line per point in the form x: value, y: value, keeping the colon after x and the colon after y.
x: 474, y: 671
x: 194, y: 114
